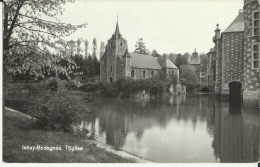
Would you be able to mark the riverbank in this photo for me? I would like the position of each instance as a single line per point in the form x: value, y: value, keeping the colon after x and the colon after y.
x: 18, y: 133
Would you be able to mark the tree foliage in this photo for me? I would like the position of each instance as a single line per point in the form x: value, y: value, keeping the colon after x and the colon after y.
x: 140, y: 47
x: 31, y: 30
x: 188, y: 75
x: 181, y: 60
x: 154, y: 53
x: 203, y: 62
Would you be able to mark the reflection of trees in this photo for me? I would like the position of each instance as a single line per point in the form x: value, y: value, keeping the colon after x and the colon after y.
x: 236, y: 133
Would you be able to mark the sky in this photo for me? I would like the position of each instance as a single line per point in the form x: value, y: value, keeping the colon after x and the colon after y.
x: 168, y: 26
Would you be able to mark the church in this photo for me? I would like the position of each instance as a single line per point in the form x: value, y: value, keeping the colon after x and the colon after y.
x: 118, y: 63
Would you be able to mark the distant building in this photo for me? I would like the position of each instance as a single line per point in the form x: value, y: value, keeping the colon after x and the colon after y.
x: 195, y: 63
x: 233, y: 66
x: 117, y: 63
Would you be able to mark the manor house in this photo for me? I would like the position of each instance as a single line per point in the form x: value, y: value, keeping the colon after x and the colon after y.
x: 117, y: 63
x: 234, y: 61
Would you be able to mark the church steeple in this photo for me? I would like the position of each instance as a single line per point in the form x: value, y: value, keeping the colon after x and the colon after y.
x: 117, y: 32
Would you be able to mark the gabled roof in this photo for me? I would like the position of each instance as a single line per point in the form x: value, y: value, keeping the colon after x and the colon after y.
x: 167, y: 63
x: 237, y: 25
x: 144, y: 61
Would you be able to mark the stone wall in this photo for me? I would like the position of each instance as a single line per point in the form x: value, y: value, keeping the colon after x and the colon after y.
x: 232, y: 59
x: 139, y: 73
x: 252, y: 78
x: 218, y: 65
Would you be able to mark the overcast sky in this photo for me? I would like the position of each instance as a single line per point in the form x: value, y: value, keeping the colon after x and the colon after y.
x: 169, y: 26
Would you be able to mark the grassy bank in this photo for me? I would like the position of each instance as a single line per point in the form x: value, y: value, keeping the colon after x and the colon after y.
x: 18, y: 131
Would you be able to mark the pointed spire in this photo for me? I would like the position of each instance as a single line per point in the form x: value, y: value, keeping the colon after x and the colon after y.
x: 117, y: 32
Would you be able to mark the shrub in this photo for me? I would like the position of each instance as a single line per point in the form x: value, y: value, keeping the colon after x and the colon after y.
x: 88, y: 87
x: 55, y: 110
x: 125, y: 87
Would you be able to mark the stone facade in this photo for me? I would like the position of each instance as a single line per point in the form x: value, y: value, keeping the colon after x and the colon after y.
x: 232, y: 59
x: 235, y: 56
x: 117, y: 63
x: 251, y: 51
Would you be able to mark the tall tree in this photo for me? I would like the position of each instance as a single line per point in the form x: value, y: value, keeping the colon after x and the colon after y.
x: 140, y: 47
x: 181, y: 60
x: 29, y: 27
x: 203, y: 62
x: 155, y: 54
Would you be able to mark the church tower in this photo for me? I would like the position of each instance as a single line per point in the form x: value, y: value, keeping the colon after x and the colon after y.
x: 113, y: 57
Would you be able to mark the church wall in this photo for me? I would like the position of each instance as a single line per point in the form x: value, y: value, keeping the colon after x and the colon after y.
x: 232, y: 59
x: 139, y: 73
x: 120, y: 69
x: 252, y: 77
x: 111, y: 63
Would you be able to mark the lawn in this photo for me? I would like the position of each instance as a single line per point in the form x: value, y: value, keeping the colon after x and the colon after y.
x: 18, y: 131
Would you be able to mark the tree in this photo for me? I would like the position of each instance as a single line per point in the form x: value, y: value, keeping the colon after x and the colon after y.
x: 203, y: 62
x: 30, y: 29
x: 155, y: 54
x: 188, y: 75
x: 140, y: 47
x: 181, y: 60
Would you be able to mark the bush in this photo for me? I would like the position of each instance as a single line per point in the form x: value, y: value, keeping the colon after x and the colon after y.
x: 55, y: 109
x: 88, y: 87
x: 125, y: 87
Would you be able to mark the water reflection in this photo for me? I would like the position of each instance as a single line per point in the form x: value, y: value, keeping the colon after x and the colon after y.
x: 192, y: 128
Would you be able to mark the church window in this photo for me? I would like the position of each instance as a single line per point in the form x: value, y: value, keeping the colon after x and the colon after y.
x: 152, y: 73
x: 144, y: 73
x: 121, y: 43
x: 256, y: 56
x: 256, y: 24
x: 111, y: 68
x: 132, y: 73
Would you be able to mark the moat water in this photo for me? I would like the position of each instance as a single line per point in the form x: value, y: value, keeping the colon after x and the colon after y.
x: 183, y: 128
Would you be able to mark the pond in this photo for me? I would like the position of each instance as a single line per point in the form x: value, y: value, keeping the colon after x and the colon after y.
x: 183, y: 128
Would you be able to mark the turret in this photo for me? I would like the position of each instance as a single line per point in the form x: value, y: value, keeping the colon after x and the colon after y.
x: 217, y: 34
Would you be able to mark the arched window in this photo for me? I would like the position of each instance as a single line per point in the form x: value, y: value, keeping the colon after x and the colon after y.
x: 144, y: 73
x: 132, y: 73
x: 111, y: 79
x: 152, y: 73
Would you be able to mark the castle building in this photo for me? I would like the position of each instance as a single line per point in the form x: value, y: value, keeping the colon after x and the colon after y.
x: 195, y: 63
x: 233, y: 66
x: 117, y: 63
